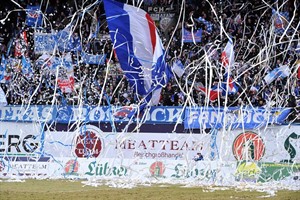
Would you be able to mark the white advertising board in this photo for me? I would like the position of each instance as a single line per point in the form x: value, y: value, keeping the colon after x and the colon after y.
x: 31, y: 150
x: 90, y: 142
x: 272, y: 144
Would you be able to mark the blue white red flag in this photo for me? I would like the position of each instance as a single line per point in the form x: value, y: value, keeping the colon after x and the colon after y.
x: 212, y: 93
x: 229, y: 86
x: 227, y: 56
x: 139, y: 49
x: 298, y: 69
x: 21, y: 44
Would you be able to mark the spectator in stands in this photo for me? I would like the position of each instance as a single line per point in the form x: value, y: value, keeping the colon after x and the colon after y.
x: 248, y: 26
x: 198, y: 157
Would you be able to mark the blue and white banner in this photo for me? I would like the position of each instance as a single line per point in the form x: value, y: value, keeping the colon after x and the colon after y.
x: 188, y: 36
x: 193, y: 118
x: 93, y: 59
x: 44, y: 42
x: 33, y: 16
x: 234, y: 117
x: 69, y: 114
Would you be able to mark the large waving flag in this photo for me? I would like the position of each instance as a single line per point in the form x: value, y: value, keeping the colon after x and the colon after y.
x: 227, y: 56
x: 139, y: 49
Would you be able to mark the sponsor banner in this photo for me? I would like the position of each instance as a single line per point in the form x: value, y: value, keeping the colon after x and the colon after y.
x: 19, y: 140
x: 233, y: 117
x: 90, y: 142
x: 11, y: 167
x: 262, y: 155
x: 266, y: 171
x: 188, y: 36
x: 21, y: 150
x: 208, y: 172
x: 278, y: 144
x: 44, y: 42
x: 137, y: 169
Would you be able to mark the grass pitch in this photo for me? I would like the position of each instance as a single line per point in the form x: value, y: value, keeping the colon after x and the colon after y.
x: 73, y: 190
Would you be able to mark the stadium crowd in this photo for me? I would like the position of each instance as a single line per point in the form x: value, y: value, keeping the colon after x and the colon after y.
x: 258, y: 49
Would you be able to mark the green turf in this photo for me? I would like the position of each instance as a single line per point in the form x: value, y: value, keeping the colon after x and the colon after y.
x: 73, y: 190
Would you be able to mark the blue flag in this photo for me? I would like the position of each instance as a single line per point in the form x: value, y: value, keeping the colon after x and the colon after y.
x: 33, y: 16
x: 93, y: 59
x: 66, y: 41
x: 188, y: 36
x: 2, y: 67
x: 26, y: 67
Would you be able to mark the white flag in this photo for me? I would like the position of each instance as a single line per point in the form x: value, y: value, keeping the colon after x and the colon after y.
x: 3, y: 101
